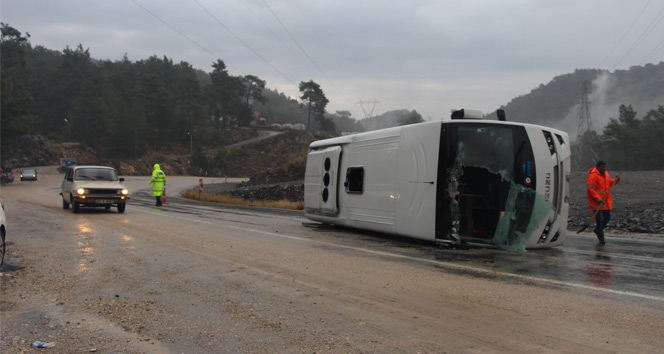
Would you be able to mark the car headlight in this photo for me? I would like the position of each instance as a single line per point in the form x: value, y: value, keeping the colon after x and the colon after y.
x: 80, y: 191
x: 123, y: 191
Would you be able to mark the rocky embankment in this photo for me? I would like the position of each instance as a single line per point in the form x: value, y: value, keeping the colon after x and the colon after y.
x: 638, y: 202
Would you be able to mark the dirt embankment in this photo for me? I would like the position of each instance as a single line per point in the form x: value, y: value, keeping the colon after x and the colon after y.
x: 249, y: 154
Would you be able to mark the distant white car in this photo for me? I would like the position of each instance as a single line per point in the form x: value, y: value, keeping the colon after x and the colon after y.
x: 3, y: 233
x: 93, y: 186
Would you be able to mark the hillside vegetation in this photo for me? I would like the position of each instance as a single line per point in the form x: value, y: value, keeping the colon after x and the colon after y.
x: 125, y: 110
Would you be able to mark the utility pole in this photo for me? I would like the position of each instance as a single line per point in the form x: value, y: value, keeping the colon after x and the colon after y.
x: 370, y: 107
x: 585, y: 146
x: 136, y: 141
x: 309, y: 117
x: 191, y: 136
x: 68, y: 130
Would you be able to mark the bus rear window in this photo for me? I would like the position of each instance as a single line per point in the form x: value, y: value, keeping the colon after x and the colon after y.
x: 354, y: 180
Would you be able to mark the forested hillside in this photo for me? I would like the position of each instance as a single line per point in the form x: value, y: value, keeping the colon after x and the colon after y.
x: 124, y: 109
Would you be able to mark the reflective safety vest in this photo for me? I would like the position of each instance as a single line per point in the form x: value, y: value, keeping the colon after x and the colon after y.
x: 598, y: 190
x: 158, y: 181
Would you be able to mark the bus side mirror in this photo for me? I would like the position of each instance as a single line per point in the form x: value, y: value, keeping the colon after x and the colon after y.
x: 501, y: 115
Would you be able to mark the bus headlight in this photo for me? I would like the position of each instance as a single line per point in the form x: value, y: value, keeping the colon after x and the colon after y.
x: 545, y: 233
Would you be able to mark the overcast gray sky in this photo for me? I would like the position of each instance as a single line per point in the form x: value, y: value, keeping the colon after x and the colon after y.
x: 430, y: 56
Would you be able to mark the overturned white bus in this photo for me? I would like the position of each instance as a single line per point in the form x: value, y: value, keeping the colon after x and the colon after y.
x: 465, y: 181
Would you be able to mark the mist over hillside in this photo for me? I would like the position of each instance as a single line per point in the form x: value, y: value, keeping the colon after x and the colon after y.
x: 558, y: 103
x: 385, y: 120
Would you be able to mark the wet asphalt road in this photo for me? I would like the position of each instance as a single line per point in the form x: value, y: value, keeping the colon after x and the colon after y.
x: 213, y: 278
x: 628, y: 266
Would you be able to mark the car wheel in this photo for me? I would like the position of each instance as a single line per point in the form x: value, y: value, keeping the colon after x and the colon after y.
x: 121, y: 207
x: 75, y: 206
x: 2, y: 249
x: 65, y: 204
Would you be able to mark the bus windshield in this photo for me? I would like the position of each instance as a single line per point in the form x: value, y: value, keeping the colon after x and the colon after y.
x: 485, y: 180
x: 491, y: 148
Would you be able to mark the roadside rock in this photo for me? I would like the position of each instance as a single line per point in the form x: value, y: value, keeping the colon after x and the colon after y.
x: 36, y: 150
x: 292, y: 191
x: 32, y: 150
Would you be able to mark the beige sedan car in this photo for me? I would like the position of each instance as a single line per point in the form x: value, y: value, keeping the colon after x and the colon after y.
x: 93, y: 186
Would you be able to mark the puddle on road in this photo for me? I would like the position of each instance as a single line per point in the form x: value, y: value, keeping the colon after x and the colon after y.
x: 85, y: 248
x: 598, y: 270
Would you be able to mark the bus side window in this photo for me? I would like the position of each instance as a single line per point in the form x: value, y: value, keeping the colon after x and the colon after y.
x: 354, y: 180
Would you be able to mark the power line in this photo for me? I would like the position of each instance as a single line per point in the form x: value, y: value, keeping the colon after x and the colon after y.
x: 329, y: 54
x: 643, y: 35
x: 260, y: 21
x: 243, y: 42
x: 654, y: 52
x: 183, y: 35
x: 624, y: 34
x: 300, y: 46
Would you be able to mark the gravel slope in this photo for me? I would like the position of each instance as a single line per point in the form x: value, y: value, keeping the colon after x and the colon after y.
x: 638, y: 202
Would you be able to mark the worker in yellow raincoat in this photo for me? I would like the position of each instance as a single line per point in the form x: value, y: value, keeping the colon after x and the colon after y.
x: 158, y: 181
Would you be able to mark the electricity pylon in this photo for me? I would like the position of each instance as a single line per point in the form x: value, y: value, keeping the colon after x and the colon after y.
x: 585, y: 148
x: 368, y: 115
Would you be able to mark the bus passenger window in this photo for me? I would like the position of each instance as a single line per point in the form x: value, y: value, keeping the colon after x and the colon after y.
x: 354, y: 180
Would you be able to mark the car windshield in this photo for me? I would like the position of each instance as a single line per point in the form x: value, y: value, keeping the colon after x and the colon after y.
x: 28, y: 172
x: 95, y: 174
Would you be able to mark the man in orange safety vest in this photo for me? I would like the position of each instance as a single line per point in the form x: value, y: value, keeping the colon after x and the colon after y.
x: 600, y: 202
